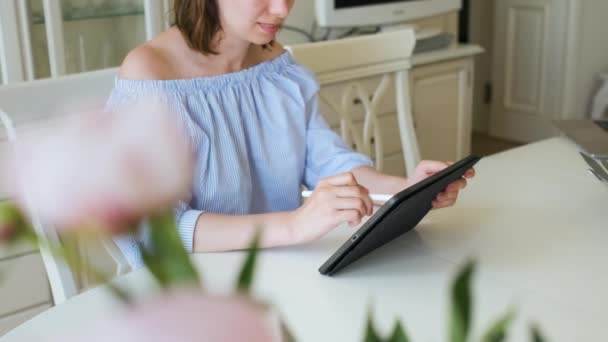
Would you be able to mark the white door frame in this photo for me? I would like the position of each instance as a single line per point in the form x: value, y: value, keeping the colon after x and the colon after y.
x: 528, y: 92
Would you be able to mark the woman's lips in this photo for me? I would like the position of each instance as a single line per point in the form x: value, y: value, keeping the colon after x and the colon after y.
x: 270, y: 28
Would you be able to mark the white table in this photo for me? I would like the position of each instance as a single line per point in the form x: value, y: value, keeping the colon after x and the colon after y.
x: 535, y: 219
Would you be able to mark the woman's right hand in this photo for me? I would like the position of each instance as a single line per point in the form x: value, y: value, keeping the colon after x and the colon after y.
x: 335, y: 200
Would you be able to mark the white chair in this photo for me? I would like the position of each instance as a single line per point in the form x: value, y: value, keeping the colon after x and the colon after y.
x: 353, y: 59
x: 32, y: 102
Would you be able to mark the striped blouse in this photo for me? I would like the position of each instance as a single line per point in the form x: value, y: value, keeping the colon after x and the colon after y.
x: 258, y: 136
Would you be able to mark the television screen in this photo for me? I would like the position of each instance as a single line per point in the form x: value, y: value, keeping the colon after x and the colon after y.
x: 355, y: 3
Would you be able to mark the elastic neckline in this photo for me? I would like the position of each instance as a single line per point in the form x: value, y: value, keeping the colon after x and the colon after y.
x: 276, y: 64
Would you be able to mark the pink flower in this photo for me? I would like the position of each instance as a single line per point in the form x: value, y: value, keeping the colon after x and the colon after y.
x: 185, y: 316
x: 105, y: 169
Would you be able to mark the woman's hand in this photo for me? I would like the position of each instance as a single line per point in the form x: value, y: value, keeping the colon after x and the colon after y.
x: 448, y: 197
x: 335, y: 200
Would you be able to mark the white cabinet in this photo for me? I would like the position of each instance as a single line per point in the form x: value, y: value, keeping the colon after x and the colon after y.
x: 441, y: 104
x: 25, y: 283
x: 547, y: 54
x: 441, y: 86
x: 24, y: 286
x: 10, y: 322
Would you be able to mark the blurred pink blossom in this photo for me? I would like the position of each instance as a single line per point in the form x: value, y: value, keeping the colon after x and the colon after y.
x: 104, y: 169
x: 184, y: 316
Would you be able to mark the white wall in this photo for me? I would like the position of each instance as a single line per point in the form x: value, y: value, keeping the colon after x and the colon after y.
x: 302, y: 16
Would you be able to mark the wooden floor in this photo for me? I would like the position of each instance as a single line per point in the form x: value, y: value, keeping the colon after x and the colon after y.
x: 484, y: 145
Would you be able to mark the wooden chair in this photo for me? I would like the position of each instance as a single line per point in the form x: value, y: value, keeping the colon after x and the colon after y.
x: 351, y: 60
x: 28, y: 104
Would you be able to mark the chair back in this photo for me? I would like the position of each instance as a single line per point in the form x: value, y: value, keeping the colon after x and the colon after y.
x: 27, y: 105
x: 351, y: 62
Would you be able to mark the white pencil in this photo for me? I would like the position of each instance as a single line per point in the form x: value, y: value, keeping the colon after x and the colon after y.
x: 375, y: 197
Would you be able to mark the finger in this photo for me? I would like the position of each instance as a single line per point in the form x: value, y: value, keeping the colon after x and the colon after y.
x: 470, y: 173
x: 446, y: 196
x: 456, y: 185
x: 353, y: 217
x: 432, y: 166
x: 346, y: 178
x: 444, y: 204
x: 356, y: 191
x: 447, y: 201
x: 351, y: 203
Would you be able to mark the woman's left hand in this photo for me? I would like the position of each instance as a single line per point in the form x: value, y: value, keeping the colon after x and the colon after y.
x: 447, y: 197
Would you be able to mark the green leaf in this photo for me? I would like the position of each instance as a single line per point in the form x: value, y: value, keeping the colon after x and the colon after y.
x: 461, y: 304
x: 498, y: 331
x: 167, y: 258
x: 13, y: 223
x: 9, y: 213
x: 535, y: 334
x: 370, y: 332
x: 69, y: 250
x: 245, y: 279
x: 152, y: 265
x: 398, y: 334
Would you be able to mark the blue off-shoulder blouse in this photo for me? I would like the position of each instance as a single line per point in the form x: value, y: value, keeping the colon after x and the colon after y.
x: 258, y: 136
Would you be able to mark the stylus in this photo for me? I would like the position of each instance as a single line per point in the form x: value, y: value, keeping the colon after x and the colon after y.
x: 374, y: 197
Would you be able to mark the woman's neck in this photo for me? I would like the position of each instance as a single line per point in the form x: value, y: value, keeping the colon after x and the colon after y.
x: 233, y: 54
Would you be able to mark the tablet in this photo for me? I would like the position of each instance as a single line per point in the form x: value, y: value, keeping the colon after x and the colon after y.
x: 397, y: 216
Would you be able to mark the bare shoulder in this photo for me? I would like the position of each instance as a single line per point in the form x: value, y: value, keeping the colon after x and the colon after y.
x: 145, y: 62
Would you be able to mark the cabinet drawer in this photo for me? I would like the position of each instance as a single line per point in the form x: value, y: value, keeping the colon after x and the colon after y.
x: 331, y: 99
x: 15, y: 250
x: 12, y: 321
x: 24, y: 283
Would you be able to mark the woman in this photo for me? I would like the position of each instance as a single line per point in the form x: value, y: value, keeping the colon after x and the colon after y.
x: 252, y: 114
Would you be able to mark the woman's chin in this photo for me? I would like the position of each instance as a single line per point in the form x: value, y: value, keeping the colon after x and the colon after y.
x: 262, y: 41
x: 262, y: 38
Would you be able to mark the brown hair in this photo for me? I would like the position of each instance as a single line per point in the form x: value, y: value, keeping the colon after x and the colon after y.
x: 199, y: 22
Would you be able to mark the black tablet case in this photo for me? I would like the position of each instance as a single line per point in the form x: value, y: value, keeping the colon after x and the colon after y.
x: 399, y: 215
